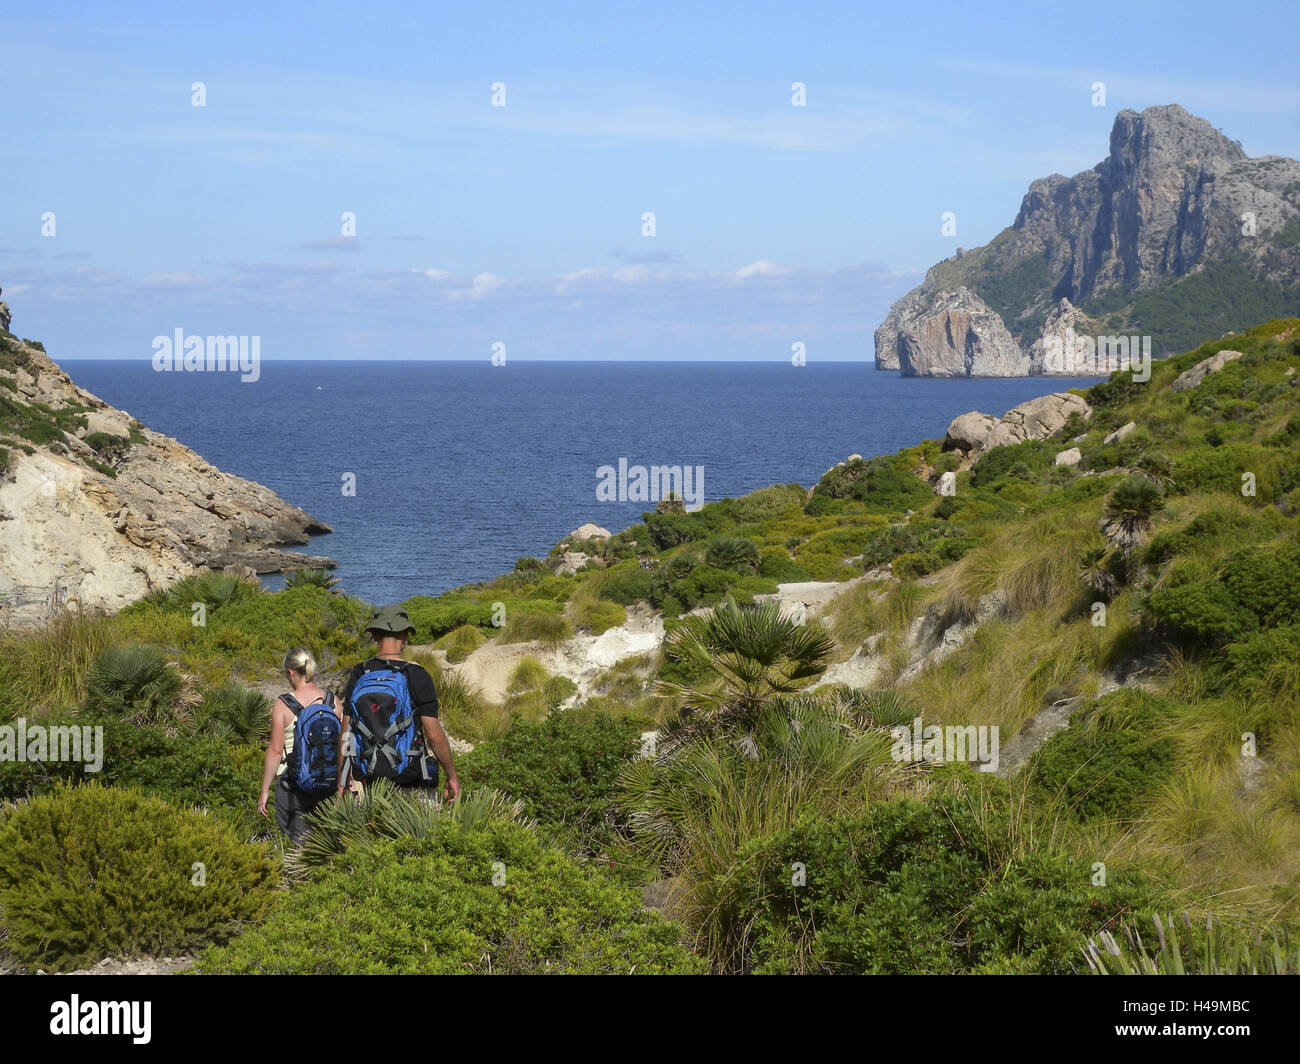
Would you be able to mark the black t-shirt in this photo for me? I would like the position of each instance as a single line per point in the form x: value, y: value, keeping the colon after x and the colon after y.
x: 424, y: 697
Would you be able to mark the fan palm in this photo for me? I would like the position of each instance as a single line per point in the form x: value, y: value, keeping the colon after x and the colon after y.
x: 1095, y: 572
x: 749, y: 656
x: 136, y: 683
x: 1130, y: 511
x: 311, y: 578
x: 234, y: 712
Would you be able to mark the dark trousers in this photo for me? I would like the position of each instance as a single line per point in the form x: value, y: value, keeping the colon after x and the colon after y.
x: 292, y: 807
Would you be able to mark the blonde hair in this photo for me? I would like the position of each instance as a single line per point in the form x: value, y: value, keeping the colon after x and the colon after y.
x: 299, y: 659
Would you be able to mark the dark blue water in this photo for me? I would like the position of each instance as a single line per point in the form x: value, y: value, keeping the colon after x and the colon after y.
x: 462, y: 467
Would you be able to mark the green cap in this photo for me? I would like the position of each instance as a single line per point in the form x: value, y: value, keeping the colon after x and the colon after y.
x: 392, y: 620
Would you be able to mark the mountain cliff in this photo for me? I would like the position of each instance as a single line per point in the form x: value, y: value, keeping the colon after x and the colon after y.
x: 1176, y: 234
x: 97, y: 509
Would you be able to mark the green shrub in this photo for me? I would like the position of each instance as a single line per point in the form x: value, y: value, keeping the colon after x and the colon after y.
x: 432, y: 907
x: 879, y: 483
x: 626, y: 584
x: 732, y: 552
x: 565, y: 771
x: 91, y: 872
x: 913, y: 888
x: 461, y: 642
x: 310, y: 578
x: 1026, y: 461
x: 136, y: 683
x: 187, y: 770
x: 1250, y: 664
x: 525, y: 627
x: 777, y: 565
x: 1110, y: 759
x: 599, y: 615
x: 235, y: 714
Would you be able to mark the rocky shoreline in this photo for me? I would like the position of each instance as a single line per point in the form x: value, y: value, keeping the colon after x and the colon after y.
x: 98, y: 510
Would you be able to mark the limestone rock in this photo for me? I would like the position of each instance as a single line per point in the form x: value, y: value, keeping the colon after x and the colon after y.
x: 1036, y: 419
x: 588, y: 531
x: 105, y: 541
x: 969, y: 431
x: 1174, y: 196
x: 947, y: 484
x: 1072, y: 457
x: 1189, y: 379
x: 951, y: 333
x: 1121, y: 433
x: 1060, y: 349
x: 5, y: 317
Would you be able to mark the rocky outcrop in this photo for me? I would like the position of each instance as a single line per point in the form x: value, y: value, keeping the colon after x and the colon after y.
x: 1036, y: 419
x: 1189, y: 379
x: 951, y: 334
x: 1174, y: 197
x: 5, y: 316
x: 105, y: 524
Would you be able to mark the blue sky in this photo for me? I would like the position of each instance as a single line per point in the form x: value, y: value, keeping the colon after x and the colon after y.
x: 522, y: 224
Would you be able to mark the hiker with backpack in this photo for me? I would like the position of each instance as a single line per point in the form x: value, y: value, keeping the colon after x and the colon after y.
x: 303, y: 749
x: 390, y: 728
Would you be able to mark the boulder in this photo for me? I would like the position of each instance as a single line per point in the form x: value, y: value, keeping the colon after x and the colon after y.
x: 969, y: 431
x: 1192, y: 377
x: 588, y: 531
x: 1072, y: 457
x: 1036, y: 419
x: 947, y: 484
x: 1121, y: 433
x: 571, y: 561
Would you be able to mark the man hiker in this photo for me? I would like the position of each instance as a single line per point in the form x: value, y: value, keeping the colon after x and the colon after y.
x: 390, y: 715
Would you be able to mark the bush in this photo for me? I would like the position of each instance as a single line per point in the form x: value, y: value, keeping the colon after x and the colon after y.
x: 136, y: 683
x: 626, y: 584
x: 234, y: 713
x: 879, y: 483
x: 1109, y: 760
x: 461, y: 642
x: 187, y: 770
x: 777, y: 565
x: 310, y: 578
x: 1024, y: 461
x: 93, y: 872
x: 564, y: 771
x: 432, y: 907
x: 732, y: 552
x: 525, y: 627
x: 599, y: 615
x: 913, y: 888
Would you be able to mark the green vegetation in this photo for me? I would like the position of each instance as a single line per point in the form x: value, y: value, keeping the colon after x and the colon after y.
x: 94, y: 872
x: 1152, y: 594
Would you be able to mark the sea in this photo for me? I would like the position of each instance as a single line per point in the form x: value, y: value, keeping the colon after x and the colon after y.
x: 436, y: 474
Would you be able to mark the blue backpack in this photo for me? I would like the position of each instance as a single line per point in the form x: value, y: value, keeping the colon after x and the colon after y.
x: 313, y: 765
x: 386, y: 743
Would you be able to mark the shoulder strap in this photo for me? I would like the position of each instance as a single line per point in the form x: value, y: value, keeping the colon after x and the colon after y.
x: 293, y: 705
